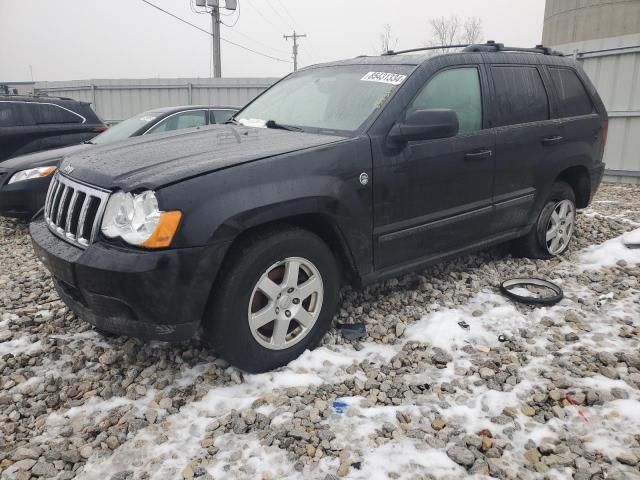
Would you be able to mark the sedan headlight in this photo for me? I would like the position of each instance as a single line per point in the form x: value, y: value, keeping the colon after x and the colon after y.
x: 138, y: 220
x: 30, y: 173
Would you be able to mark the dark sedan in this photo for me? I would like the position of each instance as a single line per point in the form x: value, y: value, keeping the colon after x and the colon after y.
x: 24, y: 180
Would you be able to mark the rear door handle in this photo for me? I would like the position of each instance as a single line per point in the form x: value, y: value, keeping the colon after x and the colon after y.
x: 479, y: 155
x: 552, y: 140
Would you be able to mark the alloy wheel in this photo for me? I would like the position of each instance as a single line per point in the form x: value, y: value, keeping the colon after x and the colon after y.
x: 285, y: 303
x: 560, y: 227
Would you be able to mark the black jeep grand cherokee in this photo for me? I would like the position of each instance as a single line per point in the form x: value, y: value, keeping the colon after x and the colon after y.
x: 355, y: 170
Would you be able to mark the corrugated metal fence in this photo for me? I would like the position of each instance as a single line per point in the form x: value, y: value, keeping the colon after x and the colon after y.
x: 116, y: 100
x: 613, y: 65
x: 616, y: 74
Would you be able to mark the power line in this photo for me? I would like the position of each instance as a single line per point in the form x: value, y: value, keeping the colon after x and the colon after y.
x: 275, y: 27
x: 286, y: 10
x: 209, y: 33
x: 236, y: 31
x: 176, y: 17
x: 311, y: 50
x: 235, y: 22
x: 279, y: 16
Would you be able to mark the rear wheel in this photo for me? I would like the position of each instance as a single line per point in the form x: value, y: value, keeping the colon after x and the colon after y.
x: 276, y: 298
x: 554, y: 227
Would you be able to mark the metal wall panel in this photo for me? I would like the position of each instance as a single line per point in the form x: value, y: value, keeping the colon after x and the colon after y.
x: 613, y: 65
x: 118, y: 99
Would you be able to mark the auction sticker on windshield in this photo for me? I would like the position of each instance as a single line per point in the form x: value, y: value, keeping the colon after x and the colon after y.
x: 383, y: 77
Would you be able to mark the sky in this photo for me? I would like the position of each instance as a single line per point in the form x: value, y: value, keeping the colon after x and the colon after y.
x: 90, y: 39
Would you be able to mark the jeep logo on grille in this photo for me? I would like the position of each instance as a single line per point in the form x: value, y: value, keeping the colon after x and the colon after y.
x: 68, y: 169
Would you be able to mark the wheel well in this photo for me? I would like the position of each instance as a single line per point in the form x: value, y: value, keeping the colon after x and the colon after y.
x: 319, y: 225
x: 578, y: 179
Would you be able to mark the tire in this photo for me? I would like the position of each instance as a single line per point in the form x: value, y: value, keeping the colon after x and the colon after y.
x: 535, y: 244
x: 252, y: 285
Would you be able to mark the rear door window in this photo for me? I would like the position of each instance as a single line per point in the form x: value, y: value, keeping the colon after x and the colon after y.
x: 457, y: 89
x: 572, y: 97
x: 14, y: 114
x: 520, y: 95
x: 48, y: 113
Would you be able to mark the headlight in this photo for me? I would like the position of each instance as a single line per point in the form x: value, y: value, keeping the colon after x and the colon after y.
x: 138, y: 220
x: 39, y: 172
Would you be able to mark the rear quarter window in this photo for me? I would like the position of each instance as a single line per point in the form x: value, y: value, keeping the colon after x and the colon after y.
x: 87, y: 112
x: 573, y: 99
x: 48, y: 113
x: 520, y: 95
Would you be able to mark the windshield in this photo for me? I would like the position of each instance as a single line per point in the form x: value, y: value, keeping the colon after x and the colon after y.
x: 339, y: 98
x: 124, y: 129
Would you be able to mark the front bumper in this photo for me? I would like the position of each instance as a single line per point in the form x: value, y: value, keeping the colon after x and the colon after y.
x: 154, y: 295
x: 23, y: 199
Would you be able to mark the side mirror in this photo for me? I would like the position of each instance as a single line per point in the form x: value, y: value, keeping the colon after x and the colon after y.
x: 426, y: 125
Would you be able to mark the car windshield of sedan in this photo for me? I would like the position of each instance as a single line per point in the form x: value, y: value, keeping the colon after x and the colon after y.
x: 335, y: 99
x: 124, y: 129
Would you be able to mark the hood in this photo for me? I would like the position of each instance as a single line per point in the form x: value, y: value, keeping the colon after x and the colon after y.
x: 156, y: 160
x: 44, y: 158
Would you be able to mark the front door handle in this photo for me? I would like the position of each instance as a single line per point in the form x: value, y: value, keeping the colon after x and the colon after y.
x: 479, y: 155
x: 556, y: 139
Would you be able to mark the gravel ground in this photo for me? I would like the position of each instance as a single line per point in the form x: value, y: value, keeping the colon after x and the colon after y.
x: 452, y: 379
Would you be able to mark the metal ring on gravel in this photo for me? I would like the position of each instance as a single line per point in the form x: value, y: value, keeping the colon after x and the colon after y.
x: 507, y: 285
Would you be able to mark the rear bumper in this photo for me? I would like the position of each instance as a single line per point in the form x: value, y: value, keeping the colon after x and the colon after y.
x: 154, y: 295
x: 23, y: 199
x: 596, y: 174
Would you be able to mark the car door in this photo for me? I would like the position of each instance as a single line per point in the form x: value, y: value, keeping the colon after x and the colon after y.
x: 581, y: 124
x: 18, y: 132
x: 434, y: 197
x: 526, y: 139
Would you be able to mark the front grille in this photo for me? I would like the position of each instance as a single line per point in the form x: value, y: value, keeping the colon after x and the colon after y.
x: 73, y: 210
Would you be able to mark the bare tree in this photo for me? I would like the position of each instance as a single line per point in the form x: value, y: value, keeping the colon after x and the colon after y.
x: 387, y: 41
x: 453, y: 31
x: 472, y: 31
x: 445, y: 30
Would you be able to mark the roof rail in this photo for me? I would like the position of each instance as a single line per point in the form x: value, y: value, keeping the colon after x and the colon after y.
x: 492, y: 46
x: 422, y: 49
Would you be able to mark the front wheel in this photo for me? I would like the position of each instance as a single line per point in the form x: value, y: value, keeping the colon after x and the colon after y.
x: 276, y: 297
x: 555, y: 225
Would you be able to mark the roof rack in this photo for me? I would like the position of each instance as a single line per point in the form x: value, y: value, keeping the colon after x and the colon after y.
x: 422, y: 49
x: 490, y: 46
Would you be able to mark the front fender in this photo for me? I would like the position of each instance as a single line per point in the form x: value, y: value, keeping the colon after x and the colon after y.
x: 219, y: 206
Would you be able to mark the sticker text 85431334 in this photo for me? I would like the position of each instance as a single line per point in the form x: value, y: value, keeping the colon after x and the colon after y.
x: 383, y: 77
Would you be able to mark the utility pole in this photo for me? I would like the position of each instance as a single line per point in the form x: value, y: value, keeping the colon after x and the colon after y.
x: 295, y: 37
x: 215, y: 39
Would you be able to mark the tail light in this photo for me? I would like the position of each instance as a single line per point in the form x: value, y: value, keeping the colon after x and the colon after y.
x: 99, y: 129
x: 605, y: 130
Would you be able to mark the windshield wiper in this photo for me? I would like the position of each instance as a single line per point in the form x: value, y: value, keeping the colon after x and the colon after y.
x: 232, y: 121
x: 281, y: 126
x: 88, y: 142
